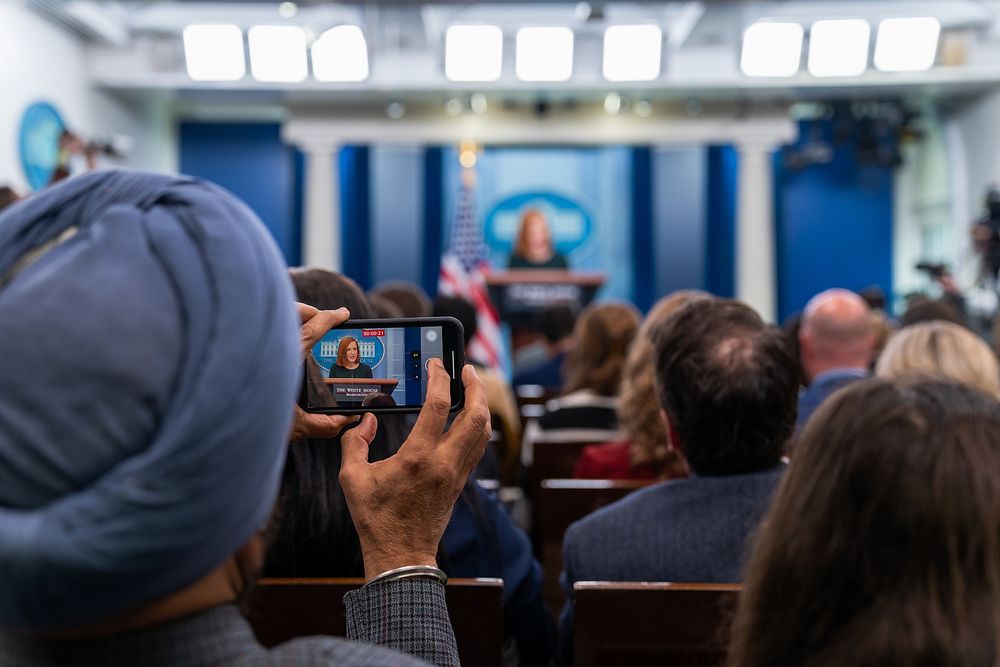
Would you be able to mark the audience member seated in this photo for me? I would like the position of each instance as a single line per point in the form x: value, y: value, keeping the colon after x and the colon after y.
x: 503, y: 405
x: 646, y: 452
x: 385, y: 309
x: 922, y: 309
x: 790, y: 328
x: 7, y: 196
x: 941, y: 350
x: 836, y: 344
x: 315, y: 537
x: 141, y: 455
x: 601, y: 341
x: 542, y: 364
x: 882, y: 546
x: 881, y: 330
x: 409, y: 297
x: 727, y: 386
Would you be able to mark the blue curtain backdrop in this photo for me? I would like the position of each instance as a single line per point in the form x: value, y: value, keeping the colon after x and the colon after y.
x: 585, y: 192
x: 653, y: 220
x: 834, y: 222
x: 720, y: 240
x: 249, y: 160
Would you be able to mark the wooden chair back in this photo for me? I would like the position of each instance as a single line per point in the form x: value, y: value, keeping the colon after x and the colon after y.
x: 531, y: 399
x: 283, y: 609
x: 555, y: 456
x: 559, y: 503
x: 640, y: 624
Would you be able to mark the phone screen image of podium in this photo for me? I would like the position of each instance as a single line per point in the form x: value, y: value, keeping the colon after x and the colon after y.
x: 359, y: 368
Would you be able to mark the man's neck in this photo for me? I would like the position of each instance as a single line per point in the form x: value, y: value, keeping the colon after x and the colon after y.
x: 221, y: 586
x: 217, y: 588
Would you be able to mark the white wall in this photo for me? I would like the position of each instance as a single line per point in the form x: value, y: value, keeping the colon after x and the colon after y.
x: 41, y: 61
x: 923, y: 226
x: 972, y: 134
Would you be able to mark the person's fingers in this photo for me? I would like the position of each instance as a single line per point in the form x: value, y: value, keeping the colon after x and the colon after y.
x: 473, y: 422
x: 306, y: 312
x: 319, y: 426
x: 474, y: 455
x: 354, y: 444
x: 434, y: 414
x: 320, y: 323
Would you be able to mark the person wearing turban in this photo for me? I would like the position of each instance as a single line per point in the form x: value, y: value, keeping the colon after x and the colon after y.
x: 150, y: 353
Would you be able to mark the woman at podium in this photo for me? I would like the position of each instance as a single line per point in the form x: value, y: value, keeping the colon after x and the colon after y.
x: 533, y: 248
x: 349, y: 361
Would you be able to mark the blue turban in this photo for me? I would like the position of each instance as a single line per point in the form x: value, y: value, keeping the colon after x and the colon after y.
x: 148, y: 367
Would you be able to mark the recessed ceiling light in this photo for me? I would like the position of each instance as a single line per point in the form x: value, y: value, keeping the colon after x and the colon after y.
x: 278, y: 53
x: 632, y: 52
x: 473, y: 53
x: 340, y: 55
x: 544, y: 54
x: 214, y: 52
x: 907, y: 45
x: 838, y: 48
x: 395, y: 110
x: 612, y: 103
x: 478, y: 104
x: 771, y: 49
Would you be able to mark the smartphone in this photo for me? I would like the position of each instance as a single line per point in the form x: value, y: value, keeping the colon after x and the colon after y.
x: 381, y: 365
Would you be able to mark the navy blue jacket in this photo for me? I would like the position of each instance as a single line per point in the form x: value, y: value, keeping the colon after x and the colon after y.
x: 687, y: 530
x: 821, y: 388
x: 482, y: 541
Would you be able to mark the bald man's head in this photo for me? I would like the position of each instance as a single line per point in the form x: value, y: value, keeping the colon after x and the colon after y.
x: 836, y: 333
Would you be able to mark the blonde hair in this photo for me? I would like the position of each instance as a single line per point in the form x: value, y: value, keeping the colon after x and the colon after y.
x: 639, y: 408
x: 943, y: 350
x: 601, y: 340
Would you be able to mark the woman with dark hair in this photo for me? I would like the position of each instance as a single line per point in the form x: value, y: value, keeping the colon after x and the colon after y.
x: 349, y: 360
x: 646, y: 451
x: 883, y: 543
x: 314, y: 535
x: 587, y: 409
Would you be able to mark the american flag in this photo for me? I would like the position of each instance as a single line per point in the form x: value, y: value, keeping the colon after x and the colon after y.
x: 463, y: 273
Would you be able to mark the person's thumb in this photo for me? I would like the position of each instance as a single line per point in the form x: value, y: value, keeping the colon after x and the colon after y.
x: 354, y: 443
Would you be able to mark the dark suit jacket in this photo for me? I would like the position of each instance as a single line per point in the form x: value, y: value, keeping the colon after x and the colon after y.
x: 821, y: 388
x: 686, y: 530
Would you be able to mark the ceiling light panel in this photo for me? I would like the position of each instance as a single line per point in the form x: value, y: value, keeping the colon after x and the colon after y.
x: 473, y: 53
x: 839, y: 48
x: 771, y: 49
x: 907, y: 45
x: 632, y: 52
x: 340, y: 55
x: 544, y: 54
x: 214, y: 52
x: 278, y: 53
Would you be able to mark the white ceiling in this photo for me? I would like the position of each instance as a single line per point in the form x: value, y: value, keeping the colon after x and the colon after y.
x: 136, y: 47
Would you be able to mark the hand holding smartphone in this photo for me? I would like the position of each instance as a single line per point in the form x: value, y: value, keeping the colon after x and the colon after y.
x: 381, y: 365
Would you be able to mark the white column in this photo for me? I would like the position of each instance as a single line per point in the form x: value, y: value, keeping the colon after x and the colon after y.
x: 321, y: 224
x: 755, y: 268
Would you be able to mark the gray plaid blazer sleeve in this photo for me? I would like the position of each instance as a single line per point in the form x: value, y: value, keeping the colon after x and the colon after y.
x: 409, y: 615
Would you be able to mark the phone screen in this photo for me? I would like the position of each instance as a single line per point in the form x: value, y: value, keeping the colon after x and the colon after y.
x: 364, y: 366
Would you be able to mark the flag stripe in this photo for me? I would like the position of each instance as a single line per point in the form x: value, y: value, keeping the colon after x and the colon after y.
x: 463, y: 273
